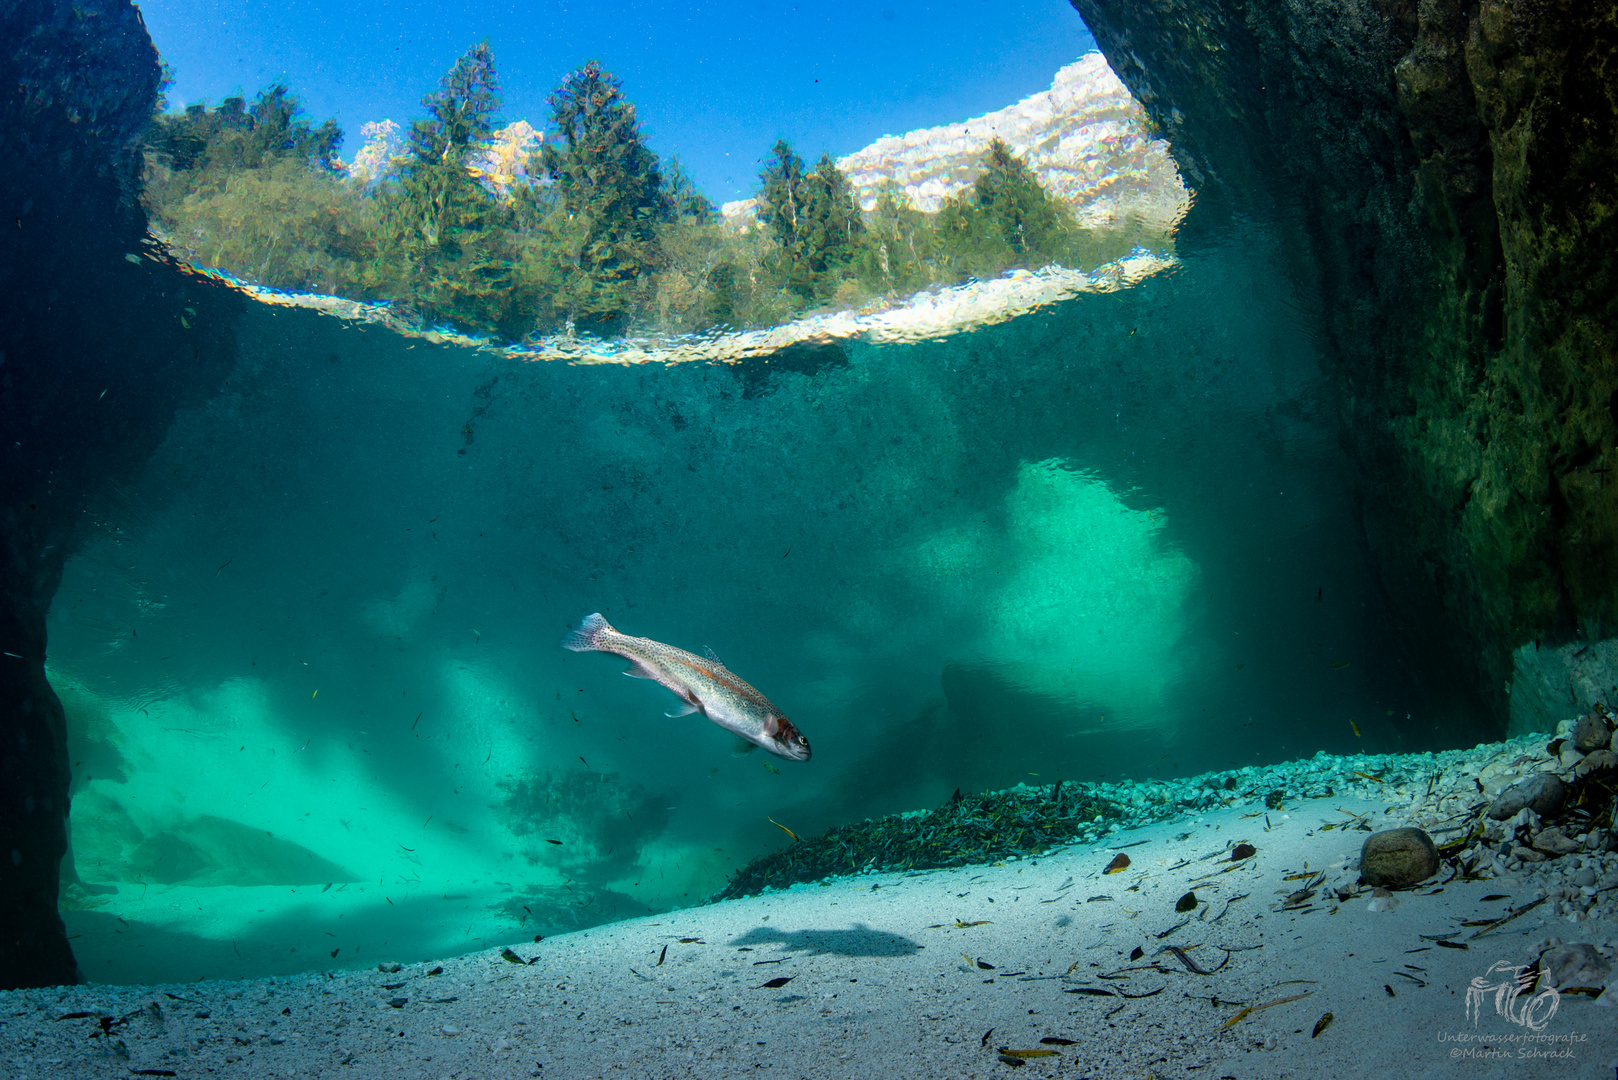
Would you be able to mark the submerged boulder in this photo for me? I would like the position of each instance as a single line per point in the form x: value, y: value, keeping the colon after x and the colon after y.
x: 1591, y: 732
x: 101, y: 338
x: 1542, y: 793
x: 1575, y: 965
x: 1451, y: 169
x: 1395, y: 858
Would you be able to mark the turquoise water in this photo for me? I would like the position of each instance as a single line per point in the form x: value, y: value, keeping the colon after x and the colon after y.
x: 319, y: 712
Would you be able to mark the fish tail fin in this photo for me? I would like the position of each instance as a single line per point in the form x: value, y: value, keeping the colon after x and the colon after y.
x: 588, y: 635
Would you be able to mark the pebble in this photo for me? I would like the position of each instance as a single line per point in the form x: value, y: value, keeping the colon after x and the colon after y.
x: 1383, y: 900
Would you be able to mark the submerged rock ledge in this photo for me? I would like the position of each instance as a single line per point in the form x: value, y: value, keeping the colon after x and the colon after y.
x: 1452, y: 168
x: 1453, y: 794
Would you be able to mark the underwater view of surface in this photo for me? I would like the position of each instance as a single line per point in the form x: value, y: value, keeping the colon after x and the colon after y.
x: 951, y: 489
x: 311, y: 659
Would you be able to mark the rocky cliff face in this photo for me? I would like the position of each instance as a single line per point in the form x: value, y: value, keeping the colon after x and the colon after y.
x: 1086, y: 139
x: 100, y: 339
x: 1452, y: 168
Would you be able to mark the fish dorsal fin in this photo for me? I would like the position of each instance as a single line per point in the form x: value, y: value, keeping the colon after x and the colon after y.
x: 742, y: 748
x: 711, y: 655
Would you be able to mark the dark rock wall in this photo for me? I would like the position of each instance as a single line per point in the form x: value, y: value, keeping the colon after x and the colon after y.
x: 1451, y: 169
x: 94, y: 358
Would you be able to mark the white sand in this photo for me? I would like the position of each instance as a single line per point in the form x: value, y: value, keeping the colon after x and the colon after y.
x: 880, y: 983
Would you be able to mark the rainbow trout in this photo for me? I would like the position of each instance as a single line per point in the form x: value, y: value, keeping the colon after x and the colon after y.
x: 703, y: 685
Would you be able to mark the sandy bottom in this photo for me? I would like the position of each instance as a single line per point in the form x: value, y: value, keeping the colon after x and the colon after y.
x: 941, y: 974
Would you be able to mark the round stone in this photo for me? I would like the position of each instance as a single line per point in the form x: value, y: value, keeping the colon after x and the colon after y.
x: 1395, y: 858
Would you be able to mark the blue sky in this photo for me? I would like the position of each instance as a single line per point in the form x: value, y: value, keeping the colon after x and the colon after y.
x: 716, y: 82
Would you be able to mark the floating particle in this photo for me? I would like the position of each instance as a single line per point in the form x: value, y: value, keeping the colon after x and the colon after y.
x: 1053, y: 1040
x: 1321, y: 1025
x: 1188, y: 902
x: 1119, y: 862
x: 1242, y: 851
x: 776, y: 983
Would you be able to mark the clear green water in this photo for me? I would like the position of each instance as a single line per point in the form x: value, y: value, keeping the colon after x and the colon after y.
x: 320, y: 715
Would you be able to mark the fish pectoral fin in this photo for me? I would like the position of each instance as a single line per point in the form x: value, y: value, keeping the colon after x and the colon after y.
x: 684, y: 708
x: 743, y: 748
x: 772, y: 727
x: 638, y: 670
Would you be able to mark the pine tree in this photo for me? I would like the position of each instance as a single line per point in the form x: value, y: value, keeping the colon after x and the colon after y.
x: 814, y: 219
x: 779, y: 199
x: 684, y: 198
x: 452, y: 231
x: 609, y: 186
x: 1017, y: 208
x: 237, y: 136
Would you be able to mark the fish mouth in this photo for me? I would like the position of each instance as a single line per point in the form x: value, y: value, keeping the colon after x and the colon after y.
x: 795, y: 753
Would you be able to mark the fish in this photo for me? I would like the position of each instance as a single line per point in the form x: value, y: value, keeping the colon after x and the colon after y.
x: 704, y: 685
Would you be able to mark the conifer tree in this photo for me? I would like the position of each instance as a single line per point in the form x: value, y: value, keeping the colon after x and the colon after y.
x: 610, y: 188
x: 780, y: 196
x: 814, y: 219
x: 684, y: 198
x: 237, y: 136
x: 1016, y: 206
x: 451, y: 229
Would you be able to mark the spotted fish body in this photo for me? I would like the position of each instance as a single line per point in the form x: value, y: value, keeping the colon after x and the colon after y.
x: 703, y: 684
